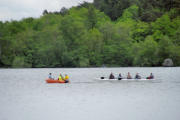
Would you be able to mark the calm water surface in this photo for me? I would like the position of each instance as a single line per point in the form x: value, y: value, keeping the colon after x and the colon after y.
x: 24, y: 95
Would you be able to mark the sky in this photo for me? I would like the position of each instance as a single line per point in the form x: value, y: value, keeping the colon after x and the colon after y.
x: 19, y: 9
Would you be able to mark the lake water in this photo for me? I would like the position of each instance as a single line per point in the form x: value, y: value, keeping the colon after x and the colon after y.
x: 24, y: 95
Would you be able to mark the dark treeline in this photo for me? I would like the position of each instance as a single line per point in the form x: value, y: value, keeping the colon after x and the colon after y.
x: 106, y: 32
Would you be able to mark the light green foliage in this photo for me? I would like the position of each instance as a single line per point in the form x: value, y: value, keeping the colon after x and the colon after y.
x: 92, y: 18
x: 175, y: 54
x: 146, y: 53
x: 163, y: 26
x: 110, y: 32
x: 130, y: 13
x: 176, y: 37
x: 165, y: 45
x: 169, y: 50
x: 73, y: 30
x: 83, y: 62
x: 19, y: 62
x: 102, y: 19
x: 117, y: 45
x: 139, y: 31
x: 94, y: 43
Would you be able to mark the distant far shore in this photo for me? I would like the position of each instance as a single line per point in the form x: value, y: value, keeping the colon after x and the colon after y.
x: 90, y: 67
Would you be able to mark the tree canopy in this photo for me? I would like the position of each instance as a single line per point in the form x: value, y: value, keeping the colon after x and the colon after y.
x: 106, y: 32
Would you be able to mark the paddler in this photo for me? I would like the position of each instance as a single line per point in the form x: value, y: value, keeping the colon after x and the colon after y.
x: 50, y: 76
x: 60, y: 78
x: 66, y: 78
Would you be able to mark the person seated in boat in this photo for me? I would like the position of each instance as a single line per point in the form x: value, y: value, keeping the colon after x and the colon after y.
x: 50, y: 76
x: 66, y: 78
x: 151, y: 76
x: 129, y: 76
x: 137, y: 76
x: 60, y: 78
x: 111, y: 76
x: 119, y: 76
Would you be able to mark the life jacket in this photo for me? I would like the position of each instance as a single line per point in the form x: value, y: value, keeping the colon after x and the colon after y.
x: 66, y: 77
x: 60, y: 78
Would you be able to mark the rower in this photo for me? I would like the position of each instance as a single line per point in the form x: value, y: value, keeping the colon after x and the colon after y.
x: 111, y: 76
x: 119, y: 76
x: 151, y: 76
x: 129, y: 76
x: 137, y: 76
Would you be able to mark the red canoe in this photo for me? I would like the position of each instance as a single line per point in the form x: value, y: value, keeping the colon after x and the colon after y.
x: 54, y: 81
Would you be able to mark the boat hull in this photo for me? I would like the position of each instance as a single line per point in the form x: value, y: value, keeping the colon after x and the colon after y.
x: 124, y: 79
x: 54, y: 81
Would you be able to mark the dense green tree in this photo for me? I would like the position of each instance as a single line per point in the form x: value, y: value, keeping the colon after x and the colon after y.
x: 113, y: 8
x: 72, y: 30
x: 45, y: 12
x: 176, y: 37
x: 63, y: 11
x: 163, y: 26
x: 84, y: 5
x: 146, y: 53
x: 140, y: 30
x: 164, y: 46
x: 149, y: 10
x: 92, y: 19
x: 130, y: 13
x: 94, y: 43
x: 110, y: 32
x: 169, y: 4
x: 175, y: 55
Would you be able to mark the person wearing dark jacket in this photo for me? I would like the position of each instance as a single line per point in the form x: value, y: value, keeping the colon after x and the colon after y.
x: 119, y: 76
x: 151, y: 76
x: 137, y: 76
x: 111, y: 76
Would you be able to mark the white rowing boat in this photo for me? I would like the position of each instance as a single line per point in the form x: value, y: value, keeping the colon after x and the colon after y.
x: 124, y: 79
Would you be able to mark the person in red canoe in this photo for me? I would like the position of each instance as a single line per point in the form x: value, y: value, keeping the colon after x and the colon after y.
x: 66, y: 78
x: 50, y: 76
x: 60, y: 78
x: 151, y: 76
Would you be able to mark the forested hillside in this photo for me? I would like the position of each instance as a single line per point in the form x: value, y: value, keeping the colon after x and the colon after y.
x: 106, y: 32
